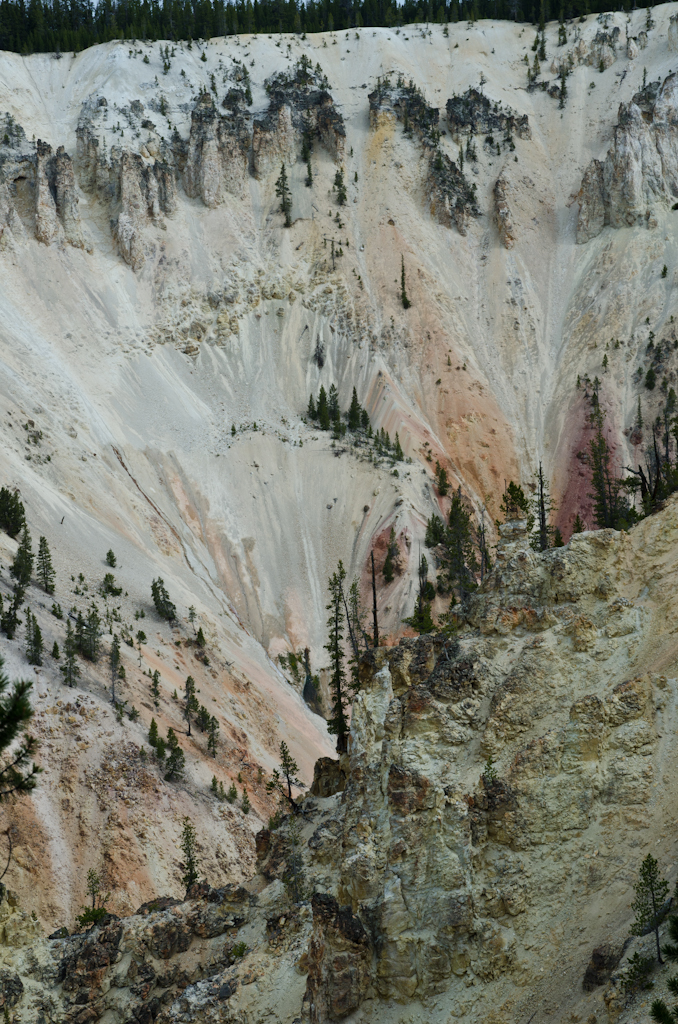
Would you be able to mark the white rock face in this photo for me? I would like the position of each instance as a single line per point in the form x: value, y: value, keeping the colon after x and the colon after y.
x: 673, y: 33
x: 640, y: 169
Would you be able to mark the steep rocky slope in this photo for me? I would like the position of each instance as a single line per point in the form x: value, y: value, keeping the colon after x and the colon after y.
x: 442, y: 891
x: 161, y: 332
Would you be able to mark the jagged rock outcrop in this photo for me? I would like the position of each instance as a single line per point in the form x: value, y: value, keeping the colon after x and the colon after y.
x: 673, y: 33
x: 340, y: 962
x: 452, y: 199
x: 601, y: 51
x: 135, y: 187
x: 473, y: 113
x: 41, y: 185
x: 142, y: 968
x: 419, y: 838
x: 502, y: 213
x: 217, y: 152
x: 45, y: 206
x: 67, y: 198
x: 591, y: 199
x: 405, y: 103
x: 641, y: 167
x: 299, y: 103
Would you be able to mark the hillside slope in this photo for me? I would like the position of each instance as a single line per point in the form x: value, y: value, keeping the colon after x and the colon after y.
x: 161, y: 332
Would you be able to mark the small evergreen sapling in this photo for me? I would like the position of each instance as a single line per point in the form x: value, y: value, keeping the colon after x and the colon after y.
x: 94, y: 913
x: 111, y: 559
x: 245, y: 806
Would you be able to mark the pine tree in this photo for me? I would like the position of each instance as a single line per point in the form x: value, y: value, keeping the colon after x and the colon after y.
x: 190, y: 703
x: 114, y: 663
x: 651, y: 891
x: 398, y: 454
x: 161, y: 600
x: 578, y: 526
x: 203, y: 718
x: 610, y: 506
x: 155, y: 689
x: 153, y: 733
x: 421, y: 618
x: 245, y: 806
x: 403, y: 290
x: 558, y: 541
x: 458, y: 553
x: 282, y: 190
x: 333, y: 403
x: 232, y: 794
x: 340, y: 187
x: 189, y: 848
x: 541, y: 509
x: 200, y: 637
x: 56, y: 653
x: 354, y: 412
x: 306, y: 148
x: 18, y: 775
x: 483, y: 550
x: 12, y: 513
x: 9, y: 617
x: 22, y: 566
x: 659, y: 1011
x: 337, y: 724
x: 442, y: 483
x: 213, y: 735
x: 323, y: 410
x: 311, y: 411
x: 80, y: 633
x: 176, y: 762
x: 161, y: 749
x: 70, y: 669
x: 92, y: 634
x: 515, y: 505
x: 34, y: 645
x: 285, y: 777
x: 111, y: 559
x: 45, y: 570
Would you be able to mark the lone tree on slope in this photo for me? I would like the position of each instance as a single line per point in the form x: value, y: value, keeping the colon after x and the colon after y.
x: 285, y: 777
x: 282, y: 190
